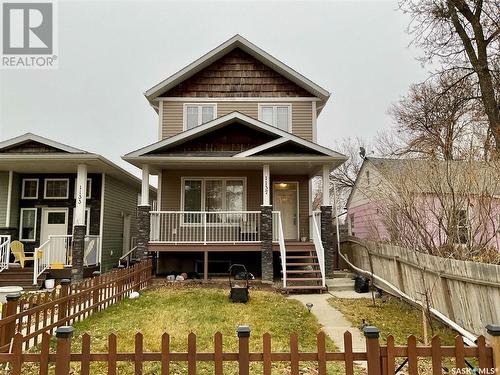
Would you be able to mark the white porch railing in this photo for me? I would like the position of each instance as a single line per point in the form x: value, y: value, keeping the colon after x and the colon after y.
x: 59, y: 250
x: 205, y: 227
x: 318, y: 245
x: 280, y: 238
x: 4, y: 252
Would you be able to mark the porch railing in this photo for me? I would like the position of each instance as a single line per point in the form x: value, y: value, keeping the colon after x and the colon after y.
x: 205, y: 227
x: 58, y: 250
x: 279, y: 237
x: 4, y: 252
x: 318, y: 245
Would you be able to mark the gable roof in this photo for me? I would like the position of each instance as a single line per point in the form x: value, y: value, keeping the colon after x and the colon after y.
x: 434, y: 176
x: 30, y: 137
x: 237, y: 41
x: 229, y: 119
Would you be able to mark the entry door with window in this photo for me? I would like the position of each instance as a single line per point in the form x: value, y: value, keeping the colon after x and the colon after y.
x: 55, y: 223
x: 285, y: 201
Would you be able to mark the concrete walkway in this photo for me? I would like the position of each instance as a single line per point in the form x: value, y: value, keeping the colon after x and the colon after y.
x: 333, y: 322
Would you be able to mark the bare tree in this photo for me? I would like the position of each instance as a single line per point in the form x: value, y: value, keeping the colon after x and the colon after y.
x: 464, y: 37
x: 440, y: 119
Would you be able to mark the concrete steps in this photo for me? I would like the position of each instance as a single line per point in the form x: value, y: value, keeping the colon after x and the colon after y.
x: 340, y: 284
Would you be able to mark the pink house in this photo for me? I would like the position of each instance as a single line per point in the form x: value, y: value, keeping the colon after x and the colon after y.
x: 436, y: 206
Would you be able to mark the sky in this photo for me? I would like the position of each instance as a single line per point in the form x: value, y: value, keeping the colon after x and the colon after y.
x: 111, y: 52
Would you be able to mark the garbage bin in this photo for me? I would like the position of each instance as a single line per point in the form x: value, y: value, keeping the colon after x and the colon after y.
x: 361, y: 284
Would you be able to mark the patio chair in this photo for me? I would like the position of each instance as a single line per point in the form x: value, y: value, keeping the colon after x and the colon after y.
x: 17, y: 249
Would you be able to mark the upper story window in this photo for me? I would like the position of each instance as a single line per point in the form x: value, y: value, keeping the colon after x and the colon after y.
x: 197, y: 114
x: 277, y: 115
x: 56, y: 188
x: 30, y: 188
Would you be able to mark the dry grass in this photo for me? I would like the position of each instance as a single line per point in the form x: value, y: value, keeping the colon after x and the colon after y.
x: 204, y: 312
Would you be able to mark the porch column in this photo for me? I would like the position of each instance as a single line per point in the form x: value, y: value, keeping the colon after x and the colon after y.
x: 80, y: 228
x: 143, y: 217
x: 266, y: 187
x: 327, y: 224
x: 266, y: 242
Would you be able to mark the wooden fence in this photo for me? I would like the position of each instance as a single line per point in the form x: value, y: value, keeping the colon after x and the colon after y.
x: 466, y: 292
x: 378, y: 359
x: 30, y: 316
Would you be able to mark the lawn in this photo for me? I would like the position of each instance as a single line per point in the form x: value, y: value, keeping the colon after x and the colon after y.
x: 393, y: 317
x: 203, y: 311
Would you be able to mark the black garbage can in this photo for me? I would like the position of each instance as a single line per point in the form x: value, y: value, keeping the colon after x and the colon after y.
x: 361, y: 284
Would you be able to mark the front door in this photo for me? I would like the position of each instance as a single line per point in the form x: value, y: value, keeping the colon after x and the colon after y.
x: 285, y: 201
x: 55, y: 223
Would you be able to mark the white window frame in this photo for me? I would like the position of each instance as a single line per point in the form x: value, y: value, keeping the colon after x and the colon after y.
x: 200, y: 113
x: 37, y: 186
x: 275, y: 114
x: 55, y: 179
x: 87, y: 222
x: 89, y: 188
x: 203, y: 193
x: 21, y: 216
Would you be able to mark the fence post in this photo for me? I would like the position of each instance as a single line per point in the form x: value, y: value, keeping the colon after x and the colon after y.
x: 243, y: 349
x: 119, y: 283
x: 63, y: 350
x: 373, y: 349
x: 137, y: 276
x: 62, y: 312
x: 9, y: 329
x: 494, y: 331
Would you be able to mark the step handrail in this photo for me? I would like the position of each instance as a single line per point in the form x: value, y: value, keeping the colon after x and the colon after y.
x: 281, y: 241
x: 127, y: 256
x: 318, y: 245
x: 41, y: 260
x: 4, y: 252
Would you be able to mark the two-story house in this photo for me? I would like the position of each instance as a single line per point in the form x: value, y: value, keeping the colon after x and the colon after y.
x: 236, y: 153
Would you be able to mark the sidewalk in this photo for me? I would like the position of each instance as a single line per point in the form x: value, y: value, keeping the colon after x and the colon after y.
x: 333, y: 322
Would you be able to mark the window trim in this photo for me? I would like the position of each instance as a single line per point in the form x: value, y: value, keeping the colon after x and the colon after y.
x: 275, y: 105
x: 203, y: 180
x: 89, y: 190
x: 23, y: 191
x: 200, y: 113
x: 55, y: 179
x: 21, y: 216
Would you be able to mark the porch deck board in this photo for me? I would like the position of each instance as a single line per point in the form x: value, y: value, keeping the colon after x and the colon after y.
x: 222, y: 247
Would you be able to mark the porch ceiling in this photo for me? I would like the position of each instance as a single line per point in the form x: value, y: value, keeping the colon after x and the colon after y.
x: 311, y: 166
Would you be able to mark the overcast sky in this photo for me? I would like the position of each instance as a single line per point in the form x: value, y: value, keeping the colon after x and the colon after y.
x: 111, y: 52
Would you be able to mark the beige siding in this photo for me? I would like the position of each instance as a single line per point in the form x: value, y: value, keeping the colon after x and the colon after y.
x: 171, y: 190
x: 172, y: 122
x: 4, y: 185
x: 302, y: 120
x: 172, y: 118
x: 119, y: 198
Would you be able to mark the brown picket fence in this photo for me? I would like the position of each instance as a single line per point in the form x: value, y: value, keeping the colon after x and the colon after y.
x: 30, y: 316
x: 379, y: 360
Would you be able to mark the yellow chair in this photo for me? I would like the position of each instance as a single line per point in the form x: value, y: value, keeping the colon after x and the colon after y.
x: 17, y: 249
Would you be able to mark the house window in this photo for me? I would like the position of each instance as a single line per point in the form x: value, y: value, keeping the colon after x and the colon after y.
x: 30, y: 188
x: 27, y: 229
x: 56, y: 188
x: 213, y: 195
x: 89, y: 188
x: 351, y: 225
x: 197, y: 114
x: 462, y: 227
x: 279, y: 116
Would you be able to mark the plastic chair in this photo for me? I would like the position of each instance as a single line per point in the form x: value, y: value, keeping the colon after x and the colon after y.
x: 17, y: 249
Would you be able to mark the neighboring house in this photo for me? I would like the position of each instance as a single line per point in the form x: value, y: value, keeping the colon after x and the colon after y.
x: 236, y: 153
x: 437, y: 206
x: 38, y: 195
